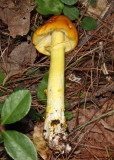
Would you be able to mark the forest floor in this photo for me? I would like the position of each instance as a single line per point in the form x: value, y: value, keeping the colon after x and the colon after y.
x: 89, y: 85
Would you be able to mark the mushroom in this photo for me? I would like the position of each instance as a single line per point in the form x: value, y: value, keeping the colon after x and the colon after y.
x: 55, y: 38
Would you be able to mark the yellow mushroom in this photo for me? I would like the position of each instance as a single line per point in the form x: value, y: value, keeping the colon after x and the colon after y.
x: 55, y: 38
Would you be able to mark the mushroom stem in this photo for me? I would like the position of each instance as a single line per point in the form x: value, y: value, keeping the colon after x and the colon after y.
x: 56, y: 74
x: 55, y: 125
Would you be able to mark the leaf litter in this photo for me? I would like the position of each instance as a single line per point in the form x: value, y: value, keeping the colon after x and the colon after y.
x: 90, y: 62
x: 21, y: 55
x: 16, y: 16
x: 99, y: 8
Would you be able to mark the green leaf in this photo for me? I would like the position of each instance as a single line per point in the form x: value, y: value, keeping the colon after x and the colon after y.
x: 16, y: 106
x: 89, y: 23
x: 19, y: 146
x: 42, y: 86
x: 42, y: 111
x: 31, y: 34
x: 46, y: 7
x: 69, y: 2
x: 66, y: 104
x: 71, y: 12
x: 34, y: 115
x: 1, y: 138
x: 1, y: 106
x: 37, y: 72
x: 33, y: 71
x: 1, y: 77
x: 18, y: 88
x: 81, y: 94
x: 1, y: 80
x: 84, y: 105
x: 92, y: 1
x: 30, y: 70
x: 69, y: 115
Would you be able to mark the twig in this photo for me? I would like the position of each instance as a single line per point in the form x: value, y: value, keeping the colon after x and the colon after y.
x: 109, y: 88
x: 85, y: 124
x: 93, y: 147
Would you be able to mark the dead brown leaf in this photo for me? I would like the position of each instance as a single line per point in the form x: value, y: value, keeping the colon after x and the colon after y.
x: 98, y: 9
x: 106, y: 124
x: 16, y: 16
x: 23, y: 54
x: 40, y: 143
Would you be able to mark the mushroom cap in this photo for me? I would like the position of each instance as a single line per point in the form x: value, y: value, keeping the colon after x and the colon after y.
x: 42, y: 36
